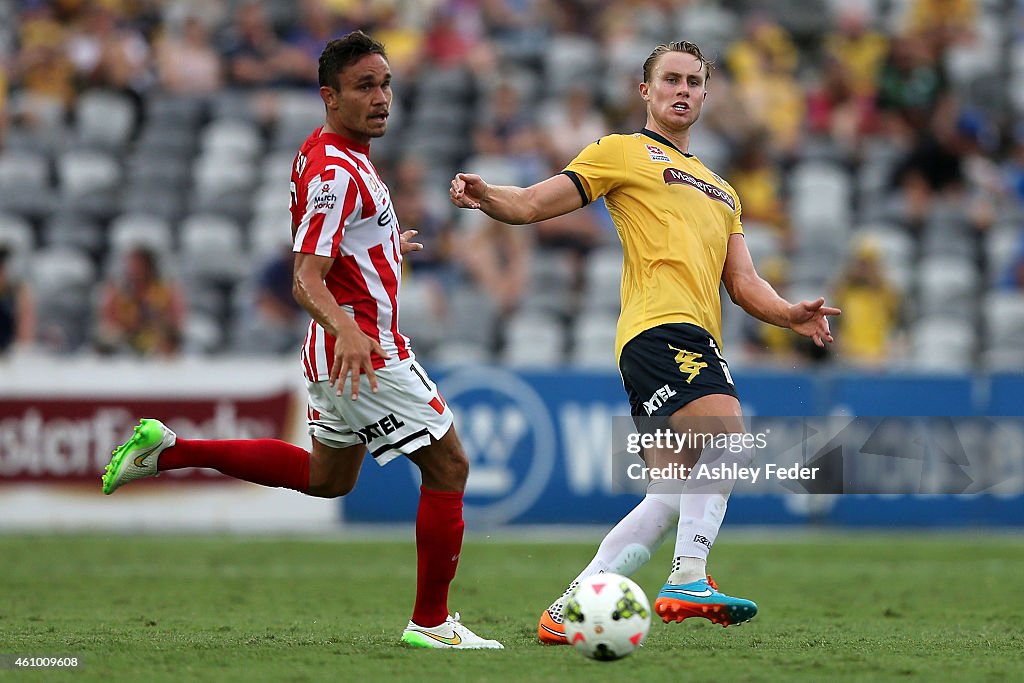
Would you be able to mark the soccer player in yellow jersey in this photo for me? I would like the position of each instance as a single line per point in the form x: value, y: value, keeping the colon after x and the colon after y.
x: 681, y: 236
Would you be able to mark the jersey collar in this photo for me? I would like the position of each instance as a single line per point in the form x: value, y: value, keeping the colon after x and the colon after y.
x: 663, y: 140
x: 342, y: 141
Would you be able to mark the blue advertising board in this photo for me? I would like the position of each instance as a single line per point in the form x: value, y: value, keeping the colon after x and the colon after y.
x: 540, y: 448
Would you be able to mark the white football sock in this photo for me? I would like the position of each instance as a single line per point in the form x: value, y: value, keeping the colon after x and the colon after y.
x: 630, y: 544
x: 702, y: 508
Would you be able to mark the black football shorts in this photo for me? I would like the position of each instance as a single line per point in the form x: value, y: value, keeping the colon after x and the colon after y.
x: 667, y: 366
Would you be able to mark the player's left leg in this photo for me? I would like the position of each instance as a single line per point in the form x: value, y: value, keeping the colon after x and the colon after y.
x: 439, y: 529
x: 154, y: 448
x: 689, y: 592
x: 626, y: 548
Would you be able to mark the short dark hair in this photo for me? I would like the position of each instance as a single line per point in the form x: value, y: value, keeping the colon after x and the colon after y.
x: 678, y: 46
x: 342, y: 52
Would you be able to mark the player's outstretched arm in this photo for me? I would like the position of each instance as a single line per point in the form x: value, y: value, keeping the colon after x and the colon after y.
x: 516, y: 205
x: 353, y: 350
x: 758, y: 298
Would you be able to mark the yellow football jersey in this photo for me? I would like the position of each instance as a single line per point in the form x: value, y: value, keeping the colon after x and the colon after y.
x: 674, y: 217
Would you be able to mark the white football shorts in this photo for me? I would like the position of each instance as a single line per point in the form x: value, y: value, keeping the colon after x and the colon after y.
x: 400, y: 418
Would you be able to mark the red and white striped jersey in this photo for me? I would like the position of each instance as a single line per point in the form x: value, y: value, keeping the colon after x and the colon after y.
x: 341, y: 209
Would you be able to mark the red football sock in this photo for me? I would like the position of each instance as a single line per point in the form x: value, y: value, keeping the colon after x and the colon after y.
x: 262, y: 461
x: 439, y: 529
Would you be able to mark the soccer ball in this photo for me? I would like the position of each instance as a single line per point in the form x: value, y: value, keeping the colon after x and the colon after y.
x: 607, y: 617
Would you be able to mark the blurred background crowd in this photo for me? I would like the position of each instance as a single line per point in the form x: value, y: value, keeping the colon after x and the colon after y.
x: 876, y: 145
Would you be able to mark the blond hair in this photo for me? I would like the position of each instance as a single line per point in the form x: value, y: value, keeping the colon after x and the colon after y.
x: 677, y: 46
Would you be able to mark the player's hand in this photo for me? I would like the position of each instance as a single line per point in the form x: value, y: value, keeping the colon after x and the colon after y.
x: 809, y: 319
x: 406, y: 243
x: 467, y: 190
x: 353, y: 356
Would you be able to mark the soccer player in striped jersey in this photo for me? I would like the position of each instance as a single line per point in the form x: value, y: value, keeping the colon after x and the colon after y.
x: 348, y: 266
x: 680, y: 228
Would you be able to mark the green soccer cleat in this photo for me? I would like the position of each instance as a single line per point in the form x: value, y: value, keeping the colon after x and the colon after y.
x: 449, y: 635
x: 137, y: 457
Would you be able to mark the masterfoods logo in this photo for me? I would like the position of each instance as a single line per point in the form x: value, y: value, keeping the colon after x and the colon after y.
x: 509, y: 437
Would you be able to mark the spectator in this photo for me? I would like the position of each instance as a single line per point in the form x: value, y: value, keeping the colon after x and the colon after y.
x: 764, y: 70
x: 142, y: 311
x: 758, y: 181
x: 434, y: 264
x: 571, y: 124
x: 1012, y: 279
x: 859, y: 50
x: 769, y: 344
x: 497, y: 258
x: 910, y: 85
x: 508, y: 130
x: 276, y: 323
x: 108, y: 52
x: 836, y: 109
x: 256, y: 58
x: 42, y: 73
x: 187, y: 63
x: 933, y: 168
x: 871, y: 309
x: 17, y: 308
x: 943, y: 23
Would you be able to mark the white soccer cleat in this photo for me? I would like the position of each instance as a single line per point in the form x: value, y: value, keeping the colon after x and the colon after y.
x: 136, y: 458
x: 451, y: 634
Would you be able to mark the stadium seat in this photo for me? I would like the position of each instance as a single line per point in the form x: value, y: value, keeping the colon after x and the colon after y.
x: 203, y: 334
x: 276, y: 167
x: 268, y: 233
x: 104, y: 120
x: 534, y: 340
x: 231, y: 139
x: 942, y: 344
x: 16, y: 236
x: 1004, y: 319
x: 456, y: 353
x: 946, y: 284
x: 83, y: 172
x: 549, y: 283
x: 820, y: 203
x: 1002, y: 244
x: 762, y: 241
x: 594, y: 341
x: 473, y: 317
x: 212, y: 248
x: 603, y: 281
x: 570, y: 60
x: 25, y: 187
x: 452, y: 84
x: 63, y: 280
x: 72, y: 229
x: 138, y: 229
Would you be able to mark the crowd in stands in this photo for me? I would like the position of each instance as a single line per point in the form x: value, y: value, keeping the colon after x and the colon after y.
x: 877, y: 147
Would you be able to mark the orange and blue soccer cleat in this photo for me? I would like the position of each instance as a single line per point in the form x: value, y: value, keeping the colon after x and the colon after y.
x: 702, y: 598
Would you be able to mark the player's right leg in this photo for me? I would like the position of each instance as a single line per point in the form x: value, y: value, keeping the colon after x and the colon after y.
x: 689, y: 591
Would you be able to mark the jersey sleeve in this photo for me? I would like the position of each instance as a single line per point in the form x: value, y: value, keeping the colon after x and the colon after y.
x: 332, y: 201
x: 599, y: 168
x: 737, y: 223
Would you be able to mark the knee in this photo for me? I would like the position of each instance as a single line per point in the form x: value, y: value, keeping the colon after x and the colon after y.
x: 331, y: 489
x: 446, y: 472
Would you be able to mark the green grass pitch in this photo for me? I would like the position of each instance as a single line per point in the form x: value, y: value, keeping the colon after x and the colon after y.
x: 170, y: 608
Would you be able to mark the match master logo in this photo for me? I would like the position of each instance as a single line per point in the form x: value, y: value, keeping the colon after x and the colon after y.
x: 689, y: 362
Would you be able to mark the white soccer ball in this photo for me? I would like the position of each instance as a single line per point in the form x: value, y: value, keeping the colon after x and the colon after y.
x: 607, y: 617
